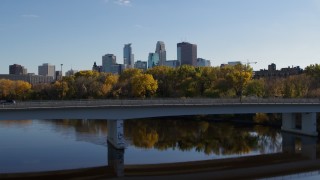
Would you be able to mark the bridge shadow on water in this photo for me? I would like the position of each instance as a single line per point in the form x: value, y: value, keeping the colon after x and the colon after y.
x: 299, y: 154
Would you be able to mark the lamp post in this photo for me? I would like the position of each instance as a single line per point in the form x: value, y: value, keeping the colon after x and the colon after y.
x: 61, y: 82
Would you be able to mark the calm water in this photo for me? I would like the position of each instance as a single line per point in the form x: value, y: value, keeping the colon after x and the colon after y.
x: 43, y: 145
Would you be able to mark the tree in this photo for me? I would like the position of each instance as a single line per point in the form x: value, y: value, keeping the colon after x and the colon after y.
x: 22, y: 89
x: 134, y: 83
x: 108, y: 85
x: 164, y: 76
x: 313, y: 70
x: 239, y: 76
x: 256, y: 88
x: 143, y: 85
x: 185, y: 81
x: 6, y: 88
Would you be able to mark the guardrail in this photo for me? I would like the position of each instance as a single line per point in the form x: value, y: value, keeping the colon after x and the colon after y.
x: 153, y: 102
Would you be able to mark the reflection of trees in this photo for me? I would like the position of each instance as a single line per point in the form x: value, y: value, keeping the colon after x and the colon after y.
x: 183, y: 134
x: 217, y: 138
x: 9, y: 123
x: 269, y: 138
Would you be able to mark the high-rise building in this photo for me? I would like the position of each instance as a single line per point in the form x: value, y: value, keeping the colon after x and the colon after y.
x: 161, y: 50
x: 108, y: 61
x: 143, y: 65
x: 128, y: 57
x: 58, y: 75
x: 203, y: 62
x: 172, y: 63
x: 47, y: 69
x: 187, y: 53
x: 17, y: 69
x: 153, y: 60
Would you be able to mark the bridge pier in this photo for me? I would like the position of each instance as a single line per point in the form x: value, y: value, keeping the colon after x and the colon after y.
x: 294, y: 143
x: 116, y: 160
x: 115, y: 134
x: 301, y: 123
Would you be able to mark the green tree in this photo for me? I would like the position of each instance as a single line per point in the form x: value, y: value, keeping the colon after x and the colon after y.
x: 164, y: 75
x: 256, y: 88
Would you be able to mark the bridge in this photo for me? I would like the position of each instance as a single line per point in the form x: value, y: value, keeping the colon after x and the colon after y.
x: 298, y: 115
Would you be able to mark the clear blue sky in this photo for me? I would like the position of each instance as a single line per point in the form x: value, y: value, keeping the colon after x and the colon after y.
x: 78, y: 32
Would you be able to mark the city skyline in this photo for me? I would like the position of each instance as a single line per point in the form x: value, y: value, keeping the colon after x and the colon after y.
x: 77, y: 33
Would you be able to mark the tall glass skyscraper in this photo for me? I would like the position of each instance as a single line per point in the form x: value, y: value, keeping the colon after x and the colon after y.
x: 128, y: 57
x: 161, y: 51
x: 153, y: 60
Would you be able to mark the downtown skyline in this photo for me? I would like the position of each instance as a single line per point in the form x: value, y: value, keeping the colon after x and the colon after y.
x: 77, y: 33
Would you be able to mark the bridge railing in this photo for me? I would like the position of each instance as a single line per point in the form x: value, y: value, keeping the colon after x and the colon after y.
x: 155, y: 102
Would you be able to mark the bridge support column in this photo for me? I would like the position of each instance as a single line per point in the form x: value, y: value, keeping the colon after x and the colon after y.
x: 301, y: 123
x: 115, y: 134
x: 116, y: 160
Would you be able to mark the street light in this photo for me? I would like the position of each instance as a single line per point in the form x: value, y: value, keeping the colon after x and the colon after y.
x: 62, y: 82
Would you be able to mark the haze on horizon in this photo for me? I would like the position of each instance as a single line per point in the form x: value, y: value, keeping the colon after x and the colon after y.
x: 77, y: 33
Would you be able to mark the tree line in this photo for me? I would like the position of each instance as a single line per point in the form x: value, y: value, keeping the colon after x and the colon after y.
x: 166, y: 82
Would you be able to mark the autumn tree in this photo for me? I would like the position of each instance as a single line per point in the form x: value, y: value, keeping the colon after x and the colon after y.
x: 134, y: 83
x: 10, y: 89
x: 164, y: 76
x: 239, y: 76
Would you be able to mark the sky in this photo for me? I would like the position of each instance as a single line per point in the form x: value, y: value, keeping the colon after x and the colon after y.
x: 77, y: 33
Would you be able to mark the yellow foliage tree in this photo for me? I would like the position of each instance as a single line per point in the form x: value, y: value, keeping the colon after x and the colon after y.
x: 21, y: 89
x: 143, y: 85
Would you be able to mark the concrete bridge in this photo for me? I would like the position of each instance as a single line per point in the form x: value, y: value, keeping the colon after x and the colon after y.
x: 298, y: 115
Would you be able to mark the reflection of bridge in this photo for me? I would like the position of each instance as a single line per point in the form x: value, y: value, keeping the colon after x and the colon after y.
x: 299, y: 155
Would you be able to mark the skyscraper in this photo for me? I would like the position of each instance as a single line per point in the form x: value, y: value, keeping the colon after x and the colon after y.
x: 108, y: 61
x: 187, y: 53
x: 161, y: 50
x: 153, y: 60
x: 17, y: 69
x: 128, y: 57
x: 47, y: 69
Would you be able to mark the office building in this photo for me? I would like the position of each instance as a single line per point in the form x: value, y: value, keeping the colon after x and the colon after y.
x: 58, y: 75
x: 117, y: 68
x: 17, y: 69
x: 128, y: 57
x: 108, y: 61
x: 47, y: 69
x: 143, y: 65
x: 187, y: 53
x: 203, y: 62
x: 161, y: 50
x: 30, y: 78
x: 153, y: 60
x: 172, y: 63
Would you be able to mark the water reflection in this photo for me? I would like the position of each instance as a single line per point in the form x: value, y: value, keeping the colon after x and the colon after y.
x: 82, y: 143
x: 204, y: 136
